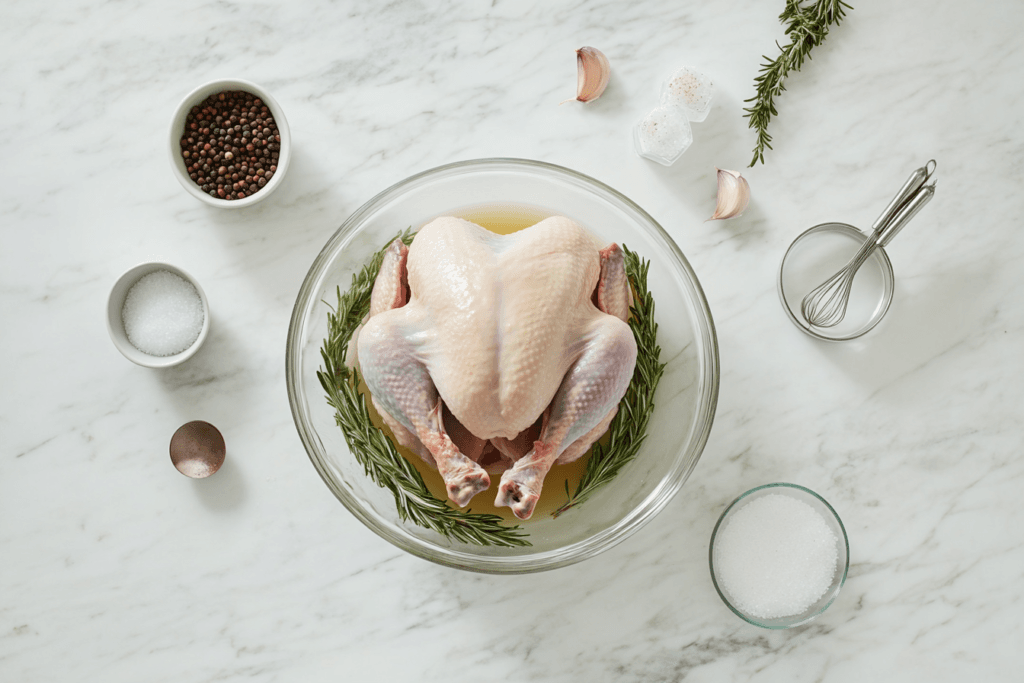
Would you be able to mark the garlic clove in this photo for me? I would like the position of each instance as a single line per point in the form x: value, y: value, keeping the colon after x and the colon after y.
x: 733, y: 195
x: 592, y: 73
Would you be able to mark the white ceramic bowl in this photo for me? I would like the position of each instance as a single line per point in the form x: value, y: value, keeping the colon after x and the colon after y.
x: 115, y: 323
x: 178, y: 128
x: 684, y: 400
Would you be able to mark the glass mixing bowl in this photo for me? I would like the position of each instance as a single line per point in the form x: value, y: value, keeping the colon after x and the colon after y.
x: 828, y: 515
x: 685, y: 399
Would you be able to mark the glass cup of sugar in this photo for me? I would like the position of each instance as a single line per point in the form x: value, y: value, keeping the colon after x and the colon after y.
x: 157, y: 315
x: 779, y: 556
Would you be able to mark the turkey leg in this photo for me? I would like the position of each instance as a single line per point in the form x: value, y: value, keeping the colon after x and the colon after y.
x: 402, y: 389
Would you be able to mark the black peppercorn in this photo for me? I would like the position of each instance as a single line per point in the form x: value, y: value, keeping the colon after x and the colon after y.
x: 224, y: 126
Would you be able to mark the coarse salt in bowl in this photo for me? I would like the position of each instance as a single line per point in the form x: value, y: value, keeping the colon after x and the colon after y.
x: 157, y: 315
x: 779, y: 556
x: 177, y: 129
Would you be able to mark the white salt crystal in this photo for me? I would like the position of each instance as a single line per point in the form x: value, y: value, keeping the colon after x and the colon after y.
x: 775, y: 557
x: 691, y: 90
x: 663, y: 135
x: 162, y: 314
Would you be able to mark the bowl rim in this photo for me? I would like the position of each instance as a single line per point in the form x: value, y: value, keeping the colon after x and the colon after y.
x: 115, y: 324
x: 779, y: 623
x: 176, y: 129
x: 653, y: 503
x: 888, y: 284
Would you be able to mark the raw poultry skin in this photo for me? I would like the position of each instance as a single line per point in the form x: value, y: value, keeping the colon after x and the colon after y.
x: 511, y: 350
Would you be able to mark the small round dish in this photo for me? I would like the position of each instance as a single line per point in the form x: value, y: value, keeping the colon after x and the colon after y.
x: 819, y: 253
x: 684, y: 403
x: 177, y: 128
x: 828, y: 516
x: 115, y: 322
x: 197, y: 449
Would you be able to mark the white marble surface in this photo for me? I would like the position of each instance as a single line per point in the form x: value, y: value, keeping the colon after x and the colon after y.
x: 114, y: 567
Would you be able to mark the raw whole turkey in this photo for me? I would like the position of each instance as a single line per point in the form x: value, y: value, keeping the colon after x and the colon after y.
x: 498, y: 353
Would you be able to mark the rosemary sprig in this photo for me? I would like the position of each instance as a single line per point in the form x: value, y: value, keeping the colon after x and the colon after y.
x: 372, y: 449
x: 629, y: 428
x: 807, y: 27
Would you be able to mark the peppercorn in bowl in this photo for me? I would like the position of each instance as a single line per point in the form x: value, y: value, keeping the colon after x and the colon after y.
x: 229, y: 143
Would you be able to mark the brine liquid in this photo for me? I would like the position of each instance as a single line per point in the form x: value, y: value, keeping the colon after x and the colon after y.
x: 502, y: 219
x: 552, y: 496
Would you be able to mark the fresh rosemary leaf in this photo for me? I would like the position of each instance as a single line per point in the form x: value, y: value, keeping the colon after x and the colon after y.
x: 807, y: 27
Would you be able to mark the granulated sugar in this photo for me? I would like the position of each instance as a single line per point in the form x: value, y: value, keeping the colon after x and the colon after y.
x: 162, y: 314
x: 775, y: 557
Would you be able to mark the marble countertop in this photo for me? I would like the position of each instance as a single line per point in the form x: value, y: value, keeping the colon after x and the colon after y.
x: 115, y: 567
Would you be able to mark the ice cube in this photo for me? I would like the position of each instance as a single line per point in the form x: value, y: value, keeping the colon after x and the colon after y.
x: 663, y: 135
x: 691, y: 90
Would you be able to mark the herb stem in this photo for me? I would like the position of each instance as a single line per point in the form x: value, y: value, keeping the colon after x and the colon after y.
x: 807, y: 27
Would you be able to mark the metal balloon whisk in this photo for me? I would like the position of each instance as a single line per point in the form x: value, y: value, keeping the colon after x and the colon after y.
x: 825, y: 305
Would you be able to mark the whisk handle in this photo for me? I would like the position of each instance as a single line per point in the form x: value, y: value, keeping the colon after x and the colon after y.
x: 913, y: 184
x: 905, y: 214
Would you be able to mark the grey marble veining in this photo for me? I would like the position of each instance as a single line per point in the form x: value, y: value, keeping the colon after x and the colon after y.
x: 115, y: 567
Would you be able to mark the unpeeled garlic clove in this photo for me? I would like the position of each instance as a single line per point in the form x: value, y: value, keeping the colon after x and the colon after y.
x: 592, y: 73
x: 733, y: 195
